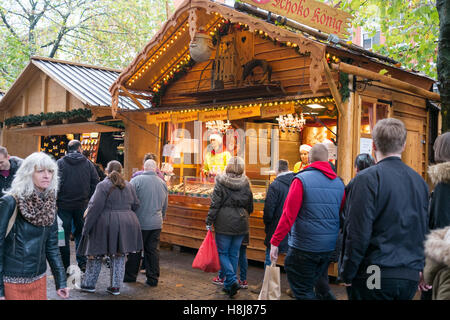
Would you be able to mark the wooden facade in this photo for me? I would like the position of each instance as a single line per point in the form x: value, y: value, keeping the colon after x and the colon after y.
x: 302, y: 73
x: 37, y: 91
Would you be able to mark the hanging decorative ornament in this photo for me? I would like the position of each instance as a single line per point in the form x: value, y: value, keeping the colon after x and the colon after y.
x: 200, y: 47
x: 290, y: 123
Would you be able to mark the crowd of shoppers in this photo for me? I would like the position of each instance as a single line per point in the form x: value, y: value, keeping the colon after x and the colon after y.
x: 391, y: 235
x: 105, y: 218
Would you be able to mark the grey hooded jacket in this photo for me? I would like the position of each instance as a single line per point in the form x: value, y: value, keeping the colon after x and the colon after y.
x: 153, y: 197
x: 231, y: 205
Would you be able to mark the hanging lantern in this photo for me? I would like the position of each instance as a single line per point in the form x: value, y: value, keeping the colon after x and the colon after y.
x: 200, y: 47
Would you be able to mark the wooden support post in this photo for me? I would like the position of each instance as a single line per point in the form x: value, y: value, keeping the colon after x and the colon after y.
x: 333, y: 87
x: 25, y: 102
x: 136, y: 101
x: 44, y: 90
x: 347, y: 68
x: 357, y: 107
x: 67, y: 101
x: 345, y: 139
x: 127, y: 166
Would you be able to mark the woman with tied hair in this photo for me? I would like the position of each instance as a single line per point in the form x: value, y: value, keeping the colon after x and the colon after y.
x: 30, y: 239
x: 111, y: 228
x: 231, y: 205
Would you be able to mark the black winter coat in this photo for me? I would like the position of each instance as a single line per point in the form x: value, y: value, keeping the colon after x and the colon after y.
x: 386, y: 222
x: 231, y: 205
x: 440, y: 197
x: 273, y: 208
x: 27, y: 248
x: 78, y: 179
x: 5, y: 183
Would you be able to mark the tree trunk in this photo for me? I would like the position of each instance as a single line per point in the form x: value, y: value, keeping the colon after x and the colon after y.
x: 443, y: 60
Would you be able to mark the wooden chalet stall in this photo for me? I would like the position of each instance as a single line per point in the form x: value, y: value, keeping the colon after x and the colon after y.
x: 53, y: 101
x: 249, y: 79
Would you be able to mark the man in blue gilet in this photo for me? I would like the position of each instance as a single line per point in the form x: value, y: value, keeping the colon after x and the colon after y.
x: 311, y: 216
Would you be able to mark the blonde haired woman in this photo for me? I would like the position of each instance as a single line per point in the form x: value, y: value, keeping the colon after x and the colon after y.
x: 33, y: 238
x: 231, y: 205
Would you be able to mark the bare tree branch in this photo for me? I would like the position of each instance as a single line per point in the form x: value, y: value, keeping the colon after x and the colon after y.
x: 8, y: 26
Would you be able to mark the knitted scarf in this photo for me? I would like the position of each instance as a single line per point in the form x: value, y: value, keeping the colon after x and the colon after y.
x: 38, y: 209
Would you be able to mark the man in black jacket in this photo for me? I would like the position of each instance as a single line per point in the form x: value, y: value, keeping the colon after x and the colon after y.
x: 78, y: 179
x: 273, y: 209
x: 386, y: 223
x: 8, y: 168
x: 273, y: 205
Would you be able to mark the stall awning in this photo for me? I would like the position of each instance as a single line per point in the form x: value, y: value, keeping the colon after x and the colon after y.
x: 61, y: 129
x: 89, y: 84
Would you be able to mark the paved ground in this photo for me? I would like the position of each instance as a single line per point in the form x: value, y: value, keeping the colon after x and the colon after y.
x: 178, y: 281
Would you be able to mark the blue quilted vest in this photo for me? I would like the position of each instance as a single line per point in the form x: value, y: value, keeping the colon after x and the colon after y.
x: 317, y: 224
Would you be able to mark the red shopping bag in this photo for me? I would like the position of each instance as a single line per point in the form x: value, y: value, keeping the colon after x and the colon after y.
x: 207, y: 258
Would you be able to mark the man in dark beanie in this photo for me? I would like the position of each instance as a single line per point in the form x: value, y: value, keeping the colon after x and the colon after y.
x: 78, y: 179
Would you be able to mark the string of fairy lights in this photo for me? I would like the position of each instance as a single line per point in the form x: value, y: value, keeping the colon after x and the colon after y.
x: 182, y: 59
x: 296, y: 102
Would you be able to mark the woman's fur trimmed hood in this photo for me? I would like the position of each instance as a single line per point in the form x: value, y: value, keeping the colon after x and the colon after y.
x: 437, y: 246
x: 233, y: 183
x: 440, y: 173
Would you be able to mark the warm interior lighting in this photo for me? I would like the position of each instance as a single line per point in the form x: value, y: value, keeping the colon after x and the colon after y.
x: 290, y: 123
x: 218, y: 125
x: 315, y: 106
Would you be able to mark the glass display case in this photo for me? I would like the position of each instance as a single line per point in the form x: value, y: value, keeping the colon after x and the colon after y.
x: 197, y: 187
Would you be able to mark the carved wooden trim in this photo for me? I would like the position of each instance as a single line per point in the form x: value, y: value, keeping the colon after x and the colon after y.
x: 157, y: 38
x: 333, y: 87
x: 316, y: 49
x: 115, y: 103
x: 192, y: 23
x: 136, y: 101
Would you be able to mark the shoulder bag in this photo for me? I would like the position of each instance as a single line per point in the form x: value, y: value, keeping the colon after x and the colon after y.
x: 12, y: 220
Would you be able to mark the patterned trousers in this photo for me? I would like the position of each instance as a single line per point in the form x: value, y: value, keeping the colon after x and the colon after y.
x: 93, y: 267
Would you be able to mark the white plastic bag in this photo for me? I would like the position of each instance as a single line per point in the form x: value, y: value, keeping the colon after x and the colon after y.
x: 61, y: 235
x: 271, y: 289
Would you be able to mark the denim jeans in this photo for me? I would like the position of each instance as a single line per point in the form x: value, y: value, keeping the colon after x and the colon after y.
x: 228, y: 247
x: 68, y: 217
x: 267, y: 262
x: 243, y: 265
x: 303, y: 269
x: 390, y: 289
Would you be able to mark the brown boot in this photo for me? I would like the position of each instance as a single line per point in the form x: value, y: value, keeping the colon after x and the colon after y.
x: 256, y: 288
x: 290, y: 293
